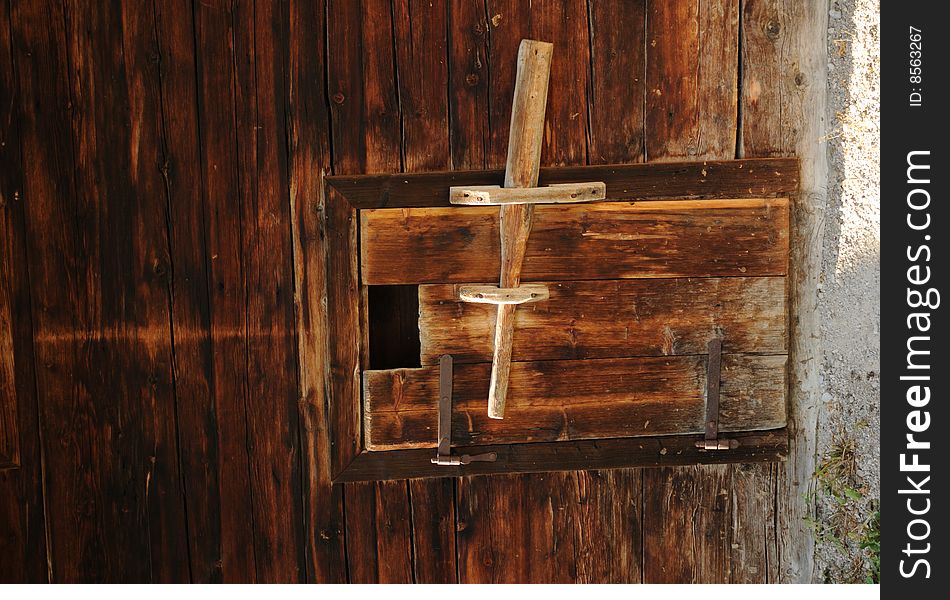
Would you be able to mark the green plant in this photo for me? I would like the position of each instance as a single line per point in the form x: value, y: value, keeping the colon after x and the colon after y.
x: 871, y: 545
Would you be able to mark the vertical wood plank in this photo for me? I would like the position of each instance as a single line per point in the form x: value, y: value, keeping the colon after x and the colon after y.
x: 469, y: 130
x: 40, y: 55
x: 783, y: 114
x: 366, y: 123
x: 691, y: 79
x: 309, y: 131
x: 686, y: 524
x: 617, y: 81
x: 166, y: 509
x: 181, y: 170
x: 422, y: 55
x: 22, y: 519
x: 223, y: 235
x: 260, y: 59
x: 10, y: 248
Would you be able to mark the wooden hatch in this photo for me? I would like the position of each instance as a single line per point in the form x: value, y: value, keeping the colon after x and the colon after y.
x: 611, y: 368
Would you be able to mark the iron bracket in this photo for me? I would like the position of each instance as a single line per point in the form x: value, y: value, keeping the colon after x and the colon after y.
x: 711, y: 439
x: 444, y: 456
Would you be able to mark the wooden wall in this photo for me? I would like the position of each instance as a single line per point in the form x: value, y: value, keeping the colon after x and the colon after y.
x: 161, y: 330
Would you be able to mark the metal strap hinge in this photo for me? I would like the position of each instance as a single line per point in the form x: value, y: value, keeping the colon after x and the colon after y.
x: 444, y: 456
x: 711, y: 440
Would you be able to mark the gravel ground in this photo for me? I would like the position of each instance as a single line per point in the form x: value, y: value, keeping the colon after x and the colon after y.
x: 848, y: 473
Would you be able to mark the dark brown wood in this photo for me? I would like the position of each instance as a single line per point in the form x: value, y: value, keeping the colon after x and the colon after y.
x: 433, y: 525
x: 272, y: 436
x: 23, y: 542
x: 692, y: 100
x: 747, y: 178
x: 691, y: 80
x: 618, y: 81
x: 9, y: 433
x: 190, y: 296
x: 765, y: 446
x: 585, y: 241
x: 580, y: 399
x: 226, y: 281
x: 379, y: 524
x: 309, y: 147
x: 613, y: 318
x: 687, y: 509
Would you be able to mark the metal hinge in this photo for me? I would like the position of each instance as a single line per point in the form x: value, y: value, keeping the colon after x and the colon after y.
x: 711, y: 440
x: 444, y: 456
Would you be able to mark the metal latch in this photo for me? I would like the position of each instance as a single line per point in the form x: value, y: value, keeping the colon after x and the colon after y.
x: 444, y: 456
x: 711, y: 440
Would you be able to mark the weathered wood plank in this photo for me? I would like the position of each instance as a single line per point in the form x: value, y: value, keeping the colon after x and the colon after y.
x: 260, y: 55
x: 746, y: 178
x: 691, y: 79
x: 469, y: 133
x: 22, y: 519
x: 190, y: 313
x: 595, y: 241
x: 618, y: 81
x: 97, y: 266
x: 151, y: 280
x: 606, y: 319
x: 557, y: 400
x: 222, y: 219
x: 309, y: 144
x: 686, y: 525
x: 754, y: 447
x: 378, y: 520
x: 433, y: 525
x: 514, y: 220
x: 534, y: 544
x: 783, y: 114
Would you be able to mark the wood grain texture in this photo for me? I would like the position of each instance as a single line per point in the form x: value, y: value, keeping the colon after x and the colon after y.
x: 617, y: 81
x: 272, y: 426
x: 691, y: 80
x: 133, y: 209
x: 197, y: 399
x: 23, y: 542
x: 591, y: 241
x: 686, y: 525
x: 783, y: 107
x: 607, y: 319
x: 557, y: 400
x: 748, y: 178
x: 97, y: 268
x: 560, y: 525
x: 309, y: 156
x: 559, y: 193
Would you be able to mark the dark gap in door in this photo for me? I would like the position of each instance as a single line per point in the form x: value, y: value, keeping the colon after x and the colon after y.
x: 393, y: 326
